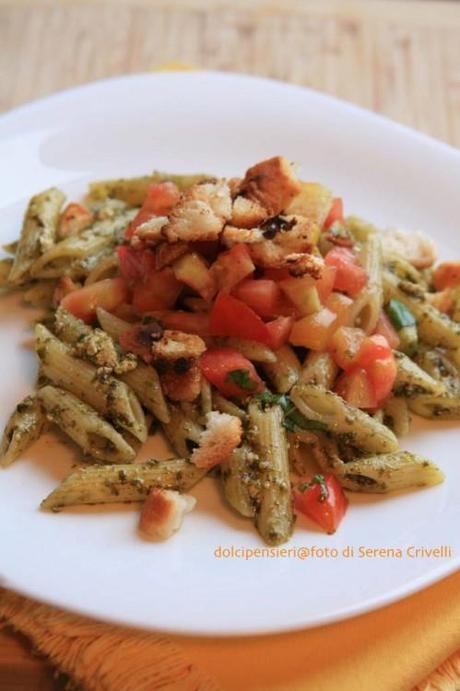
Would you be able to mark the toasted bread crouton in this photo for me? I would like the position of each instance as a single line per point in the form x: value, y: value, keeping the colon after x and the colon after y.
x: 293, y: 232
x: 271, y: 256
x: 247, y: 213
x: 272, y: 183
x: 163, y: 512
x: 150, y: 232
x: 222, y: 435
x: 234, y: 185
x: 181, y: 381
x: 98, y: 347
x: 177, y: 344
x: 245, y: 235
x: 417, y: 248
x: 201, y: 213
x: 167, y: 253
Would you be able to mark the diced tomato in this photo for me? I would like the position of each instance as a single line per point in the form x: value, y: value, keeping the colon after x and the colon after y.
x: 159, y: 200
x: 315, y: 330
x: 325, y: 284
x: 373, y: 348
x: 230, y: 372
x: 64, y: 286
x: 135, y: 264
x: 159, y: 290
x: 385, y: 328
x: 345, y: 346
x: 277, y: 274
x: 190, y: 322
x: 323, y: 500
x: 355, y: 387
x: 335, y: 214
x: 279, y: 330
x: 341, y: 306
x: 382, y: 375
x: 350, y: 277
x: 74, y: 219
x: 107, y: 294
x: 231, y: 317
x: 262, y: 295
x: 232, y: 266
x: 126, y: 312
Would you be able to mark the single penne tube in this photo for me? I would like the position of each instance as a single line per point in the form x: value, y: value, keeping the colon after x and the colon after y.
x: 403, y: 269
x: 360, y: 229
x: 240, y: 480
x: 319, y: 368
x: 389, y: 472
x: 106, y: 394
x: 351, y: 424
x: 132, y: 191
x: 95, y: 436
x: 257, y: 352
x: 106, y: 484
x: 274, y: 517
x: 58, y: 259
x: 11, y: 247
x: 111, y: 324
x: 38, y: 233
x: 435, y: 407
x: 145, y: 383
x: 396, y: 415
x: 285, y: 372
x: 182, y: 432
x: 24, y: 427
x: 433, y: 327
x: 412, y: 380
x: 442, y: 368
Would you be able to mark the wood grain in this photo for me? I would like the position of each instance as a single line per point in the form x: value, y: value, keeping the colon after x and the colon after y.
x: 401, y: 59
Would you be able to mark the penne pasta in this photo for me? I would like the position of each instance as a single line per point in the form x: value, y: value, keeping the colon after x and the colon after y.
x: 412, y: 380
x: 38, y: 233
x: 182, y: 432
x: 240, y: 480
x: 274, y: 517
x: 356, y: 426
x: 396, y: 415
x: 95, y: 436
x: 122, y: 483
x: 368, y: 305
x: 109, y: 396
x: 285, y: 372
x: 319, y: 368
x: 24, y: 427
x: 132, y: 191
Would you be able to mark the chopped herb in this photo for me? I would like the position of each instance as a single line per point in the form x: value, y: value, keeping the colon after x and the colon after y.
x: 242, y: 378
x: 316, y: 480
x: 292, y: 416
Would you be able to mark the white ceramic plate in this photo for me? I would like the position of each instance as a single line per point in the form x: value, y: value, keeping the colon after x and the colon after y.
x: 91, y: 560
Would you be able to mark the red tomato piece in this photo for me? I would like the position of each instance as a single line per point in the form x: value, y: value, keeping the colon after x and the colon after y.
x: 189, y: 322
x: 373, y: 348
x: 231, y: 317
x: 354, y: 386
x: 279, y: 330
x: 315, y: 330
x: 159, y: 200
x: 262, y: 295
x: 277, y: 274
x: 135, y: 264
x: 159, y: 290
x: 107, y: 294
x: 350, y: 276
x: 325, y: 284
x: 382, y: 375
x: 322, y: 499
x: 64, y: 286
x: 345, y: 345
x: 335, y: 214
x: 232, y: 266
x: 385, y: 328
x: 230, y: 372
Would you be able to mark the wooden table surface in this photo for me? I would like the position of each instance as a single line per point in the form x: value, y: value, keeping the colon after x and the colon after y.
x: 398, y: 58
